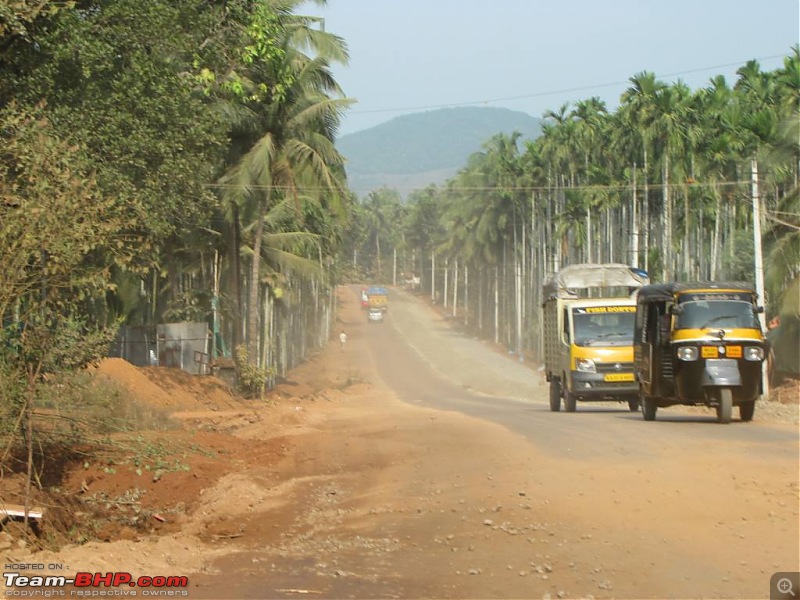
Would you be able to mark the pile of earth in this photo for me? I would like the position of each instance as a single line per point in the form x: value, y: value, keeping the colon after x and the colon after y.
x: 146, y: 479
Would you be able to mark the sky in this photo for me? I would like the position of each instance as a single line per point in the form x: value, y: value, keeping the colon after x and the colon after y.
x: 410, y: 56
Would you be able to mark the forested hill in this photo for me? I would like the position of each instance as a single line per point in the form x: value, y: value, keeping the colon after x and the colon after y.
x: 412, y: 151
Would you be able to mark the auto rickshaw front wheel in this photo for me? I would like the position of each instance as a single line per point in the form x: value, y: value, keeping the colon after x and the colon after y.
x: 724, y: 405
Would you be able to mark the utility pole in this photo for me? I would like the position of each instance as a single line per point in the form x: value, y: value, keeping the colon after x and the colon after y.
x: 455, y: 287
x: 759, y: 260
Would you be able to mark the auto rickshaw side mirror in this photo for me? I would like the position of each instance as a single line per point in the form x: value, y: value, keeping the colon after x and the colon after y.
x: 676, y: 309
x: 759, y: 309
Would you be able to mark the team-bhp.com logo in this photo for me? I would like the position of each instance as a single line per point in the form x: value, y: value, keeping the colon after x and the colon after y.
x: 93, y: 584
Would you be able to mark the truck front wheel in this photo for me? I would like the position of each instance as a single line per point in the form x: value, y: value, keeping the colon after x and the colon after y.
x: 570, y: 400
x: 555, y: 394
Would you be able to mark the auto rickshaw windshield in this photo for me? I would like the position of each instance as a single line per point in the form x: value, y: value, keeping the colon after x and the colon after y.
x: 716, y: 314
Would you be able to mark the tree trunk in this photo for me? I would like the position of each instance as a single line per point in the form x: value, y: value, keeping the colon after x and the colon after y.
x: 496, y: 304
x: 466, y: 295
x: 667, y: 253
x: 646, y: 216
x: 446, y: 273
x: 634, y: 222
x: 717, y: 227
x: 588, y: 236
x: 455, y: 287
x: 433, y: 276
x: 252, y: 305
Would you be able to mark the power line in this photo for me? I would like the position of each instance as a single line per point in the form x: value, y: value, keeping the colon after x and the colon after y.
x: 550, y: 93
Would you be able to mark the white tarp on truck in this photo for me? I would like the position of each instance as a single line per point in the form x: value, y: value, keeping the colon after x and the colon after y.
x: 570, y: 281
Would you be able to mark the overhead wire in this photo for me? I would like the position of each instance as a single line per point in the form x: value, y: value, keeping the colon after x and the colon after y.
x: 514, y: 188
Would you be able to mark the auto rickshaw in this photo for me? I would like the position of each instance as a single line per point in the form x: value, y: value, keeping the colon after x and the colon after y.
x: 699, y: 344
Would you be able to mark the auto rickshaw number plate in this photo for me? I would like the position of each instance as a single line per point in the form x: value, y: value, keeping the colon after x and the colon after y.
x: 716, y: 352
x: 618, y: 377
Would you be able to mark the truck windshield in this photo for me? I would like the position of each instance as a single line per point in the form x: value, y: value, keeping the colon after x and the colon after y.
x: 602, y: 329
x: 716, y: 314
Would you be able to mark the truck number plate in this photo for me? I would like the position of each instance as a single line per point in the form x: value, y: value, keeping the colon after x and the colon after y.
x: 618, y: 377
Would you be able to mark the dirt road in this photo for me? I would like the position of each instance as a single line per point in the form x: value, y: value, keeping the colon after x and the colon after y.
x: 496, y: 497
x: 431, y: 467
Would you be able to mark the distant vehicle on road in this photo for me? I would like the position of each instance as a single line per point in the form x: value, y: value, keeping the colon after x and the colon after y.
x: 378, y: 297
x: 375, y: 315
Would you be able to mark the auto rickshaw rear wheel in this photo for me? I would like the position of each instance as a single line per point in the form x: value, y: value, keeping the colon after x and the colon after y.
x: 724, y: 405
x: 649, y: 408
x: 746, y: 410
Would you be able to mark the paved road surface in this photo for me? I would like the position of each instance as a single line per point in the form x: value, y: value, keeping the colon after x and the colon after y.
x: 516, y: 396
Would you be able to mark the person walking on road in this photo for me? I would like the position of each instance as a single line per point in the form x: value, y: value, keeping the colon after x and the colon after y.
x: 342, y: 339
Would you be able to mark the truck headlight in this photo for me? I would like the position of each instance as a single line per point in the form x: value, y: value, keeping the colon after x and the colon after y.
x: 754, y: 353
x: 687, y: 353
x: 585, y: 365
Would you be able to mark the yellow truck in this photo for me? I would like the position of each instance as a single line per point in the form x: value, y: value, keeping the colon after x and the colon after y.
x: 588, y: 315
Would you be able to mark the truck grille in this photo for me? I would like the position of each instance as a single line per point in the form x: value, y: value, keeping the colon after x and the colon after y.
x: 624, y: 367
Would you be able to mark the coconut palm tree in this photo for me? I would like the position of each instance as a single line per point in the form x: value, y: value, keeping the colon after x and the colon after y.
x: 295, y: 114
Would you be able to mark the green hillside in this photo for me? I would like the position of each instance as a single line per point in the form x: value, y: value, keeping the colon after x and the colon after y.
x: 415, y: 150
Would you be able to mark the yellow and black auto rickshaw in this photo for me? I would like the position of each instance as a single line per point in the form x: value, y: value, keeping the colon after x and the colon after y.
x: 699, y: 344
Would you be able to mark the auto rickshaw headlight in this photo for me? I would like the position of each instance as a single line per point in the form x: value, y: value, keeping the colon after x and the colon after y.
x: 754, y: 353
x: 687, y: 353
x: 585, y: 365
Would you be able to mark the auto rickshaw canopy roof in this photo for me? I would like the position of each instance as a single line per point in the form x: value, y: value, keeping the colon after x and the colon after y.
x: 667, y: 291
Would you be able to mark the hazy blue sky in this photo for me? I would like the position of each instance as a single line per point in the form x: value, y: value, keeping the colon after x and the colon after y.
x: 532, y: 55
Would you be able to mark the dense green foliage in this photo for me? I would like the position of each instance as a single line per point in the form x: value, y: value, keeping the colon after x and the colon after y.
x: 160, y: 160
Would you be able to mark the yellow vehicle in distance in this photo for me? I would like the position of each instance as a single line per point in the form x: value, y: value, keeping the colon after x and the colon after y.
x: 587, y: 326
x: 699, y: 344
x: 378, y: 297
